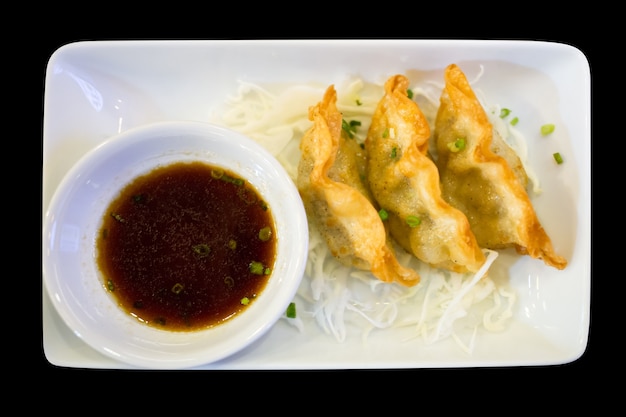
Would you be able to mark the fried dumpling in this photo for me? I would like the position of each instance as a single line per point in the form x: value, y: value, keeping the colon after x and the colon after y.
x: 484, y: 178
x: 405, y: 183
x: 336, y: 198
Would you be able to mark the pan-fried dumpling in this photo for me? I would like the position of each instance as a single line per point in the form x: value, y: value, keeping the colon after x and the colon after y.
x: 335, y: 197
x: 405, y: 183
x: 485, y: 179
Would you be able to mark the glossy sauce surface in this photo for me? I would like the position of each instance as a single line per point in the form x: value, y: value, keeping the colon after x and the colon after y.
x: 186, y: 246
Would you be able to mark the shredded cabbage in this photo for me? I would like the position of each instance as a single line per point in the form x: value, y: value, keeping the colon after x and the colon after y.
x: 345, y: 302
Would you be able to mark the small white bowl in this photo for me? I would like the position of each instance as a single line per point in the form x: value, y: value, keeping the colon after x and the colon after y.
x: 71, y: 224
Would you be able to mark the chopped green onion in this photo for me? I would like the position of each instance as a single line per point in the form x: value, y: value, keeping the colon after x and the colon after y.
x: 177, y: 288
x: 386, y: 133
x: 256, y: 268
x: 232, y: 244
x: 558, y: 158
x: 547, y: 129
x: 409, y: 93
x: 383, y: 214
x: 413, y: 221
x: 358, y: 102
x: 350, y: 127
x: 265, y: 234
x: 291, y: 310
x: 514, y: 121
x: 346, y: 128
x: 229, y: 281
x: 394, y: 152
x: 457, y: 145
x: 247, y: 195
x: 110, y: 285
x: 245, y: 301
x: 201, y: 250
x: 117, y: 217
x: 219, y: 174
x: 504, y: 112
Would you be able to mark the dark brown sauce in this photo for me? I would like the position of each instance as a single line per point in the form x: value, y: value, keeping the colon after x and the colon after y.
x: 179, y: 246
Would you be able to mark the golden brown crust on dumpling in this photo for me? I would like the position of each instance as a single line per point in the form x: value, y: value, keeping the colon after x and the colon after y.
x: 344, y: 216
x: 405, y: 182
x: 480, y: 182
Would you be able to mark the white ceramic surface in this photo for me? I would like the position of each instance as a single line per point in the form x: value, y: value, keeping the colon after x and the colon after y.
x: 94, y: 90
x: 75, y: 215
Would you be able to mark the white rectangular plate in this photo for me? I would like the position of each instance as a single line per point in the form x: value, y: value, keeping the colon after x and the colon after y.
x: 96, y: 89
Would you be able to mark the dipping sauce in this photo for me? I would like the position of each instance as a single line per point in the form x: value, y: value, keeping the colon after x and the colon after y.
x: 186, y: 246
